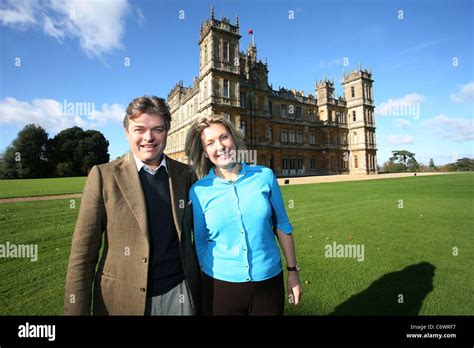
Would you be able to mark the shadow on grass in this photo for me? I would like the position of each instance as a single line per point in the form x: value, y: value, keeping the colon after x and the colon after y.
x: 382, y: 297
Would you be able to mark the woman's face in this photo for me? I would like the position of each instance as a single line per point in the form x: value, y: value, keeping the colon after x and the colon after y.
x: 219, y: 146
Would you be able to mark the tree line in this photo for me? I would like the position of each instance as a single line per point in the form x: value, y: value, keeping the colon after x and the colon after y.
x: 72, y: 152
x: 405, y: 161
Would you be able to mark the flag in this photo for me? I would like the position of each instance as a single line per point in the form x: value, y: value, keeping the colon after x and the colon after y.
x: 250, y: 32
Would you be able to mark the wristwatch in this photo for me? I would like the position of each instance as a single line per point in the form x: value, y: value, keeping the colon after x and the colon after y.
x: 296, y: 268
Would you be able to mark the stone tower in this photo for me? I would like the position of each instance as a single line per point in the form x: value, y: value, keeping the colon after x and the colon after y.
x: 357, y: 85
x: 219, y: 66
x: 324, y: 96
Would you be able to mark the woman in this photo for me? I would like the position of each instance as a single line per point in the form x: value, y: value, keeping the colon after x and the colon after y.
x: 237, y: 208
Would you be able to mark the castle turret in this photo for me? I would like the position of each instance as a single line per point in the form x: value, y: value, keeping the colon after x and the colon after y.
x: 357, y: 86
x: 219, y: 64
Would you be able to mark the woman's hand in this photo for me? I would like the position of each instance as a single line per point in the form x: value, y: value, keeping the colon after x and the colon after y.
x: 294, y: 288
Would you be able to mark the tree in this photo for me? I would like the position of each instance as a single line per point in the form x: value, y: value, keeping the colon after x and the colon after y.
x: 27, y: 156
x: 464, y: 164
x: 62, y: 150
x: 92, y: 150
x: 431, y: 166
x: 461, y: 165
x: 75, y: 151
x: 412, y: 165
x: 392, y: 167
x: 403, y: 160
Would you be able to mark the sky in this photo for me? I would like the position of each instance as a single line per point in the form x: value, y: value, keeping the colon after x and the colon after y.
x: 57, y: 56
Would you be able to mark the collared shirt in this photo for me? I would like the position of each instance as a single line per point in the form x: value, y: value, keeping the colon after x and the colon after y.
x: 233, y: 224
x: 146, y: 168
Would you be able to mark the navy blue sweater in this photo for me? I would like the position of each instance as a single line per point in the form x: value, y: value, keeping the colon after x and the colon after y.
x: 165, y: 267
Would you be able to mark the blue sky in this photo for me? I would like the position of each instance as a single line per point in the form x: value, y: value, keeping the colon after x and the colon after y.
x: 421, y: 54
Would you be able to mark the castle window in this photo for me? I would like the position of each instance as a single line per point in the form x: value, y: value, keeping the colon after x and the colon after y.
x: 343, y: 139
x: 356, y: 162
x: 313, y: 163
x: 352, y: 92
x: 284, y: 161
x: 269, y: 133
x: 312, y: 138
x: 225, y: 52
x: 342, y: 118
x: 299, y: 137
x: 353, y: 116
x: 298, y: 112
x: 284, y: 110
x: 292, y: 136
x: 226, y: 88
x: 284, y: 135
x: 301, y: 165
x: 291, y: 111
x: 270, y: 108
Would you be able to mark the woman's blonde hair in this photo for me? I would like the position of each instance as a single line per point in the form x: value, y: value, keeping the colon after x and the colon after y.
x: 194, y: 149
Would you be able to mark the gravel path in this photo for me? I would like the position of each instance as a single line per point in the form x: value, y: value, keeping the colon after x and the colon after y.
x: 39, y: 198
x: 337, y: 178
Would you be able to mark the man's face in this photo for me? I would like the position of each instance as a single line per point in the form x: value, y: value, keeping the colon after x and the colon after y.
x: 147, y: 135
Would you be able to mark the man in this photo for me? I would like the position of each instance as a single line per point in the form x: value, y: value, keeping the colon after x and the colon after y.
x: 137, y: 208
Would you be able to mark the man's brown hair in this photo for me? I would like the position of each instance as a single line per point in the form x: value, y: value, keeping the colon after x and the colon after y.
x: 148, y: 104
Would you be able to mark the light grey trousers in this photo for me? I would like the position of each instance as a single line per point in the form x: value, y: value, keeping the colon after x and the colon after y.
x: 177, y: 301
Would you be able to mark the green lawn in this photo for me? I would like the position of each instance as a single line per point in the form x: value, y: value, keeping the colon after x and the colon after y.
x: 408, y: 251
x: 36, y: 288
x: 41, y: 187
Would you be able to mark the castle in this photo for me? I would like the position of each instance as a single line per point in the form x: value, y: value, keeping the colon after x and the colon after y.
x: 292, y: 134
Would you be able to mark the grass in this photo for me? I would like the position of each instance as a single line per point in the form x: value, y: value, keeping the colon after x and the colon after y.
x: 41, y: 187
x: 36, y: 288
x: 408, y: 251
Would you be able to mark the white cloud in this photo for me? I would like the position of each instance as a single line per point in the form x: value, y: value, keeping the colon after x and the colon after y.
x: 55, y: 116
x: 465, y: 94
x: 400, y: 139
x: 50, y: 28
x: 456, y: 129
x: 408, y: 105
x: 18, y: 14
x: 140, y: 16
x: 108, y: 113
x: 98, y: 25
x: 401, y: 123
